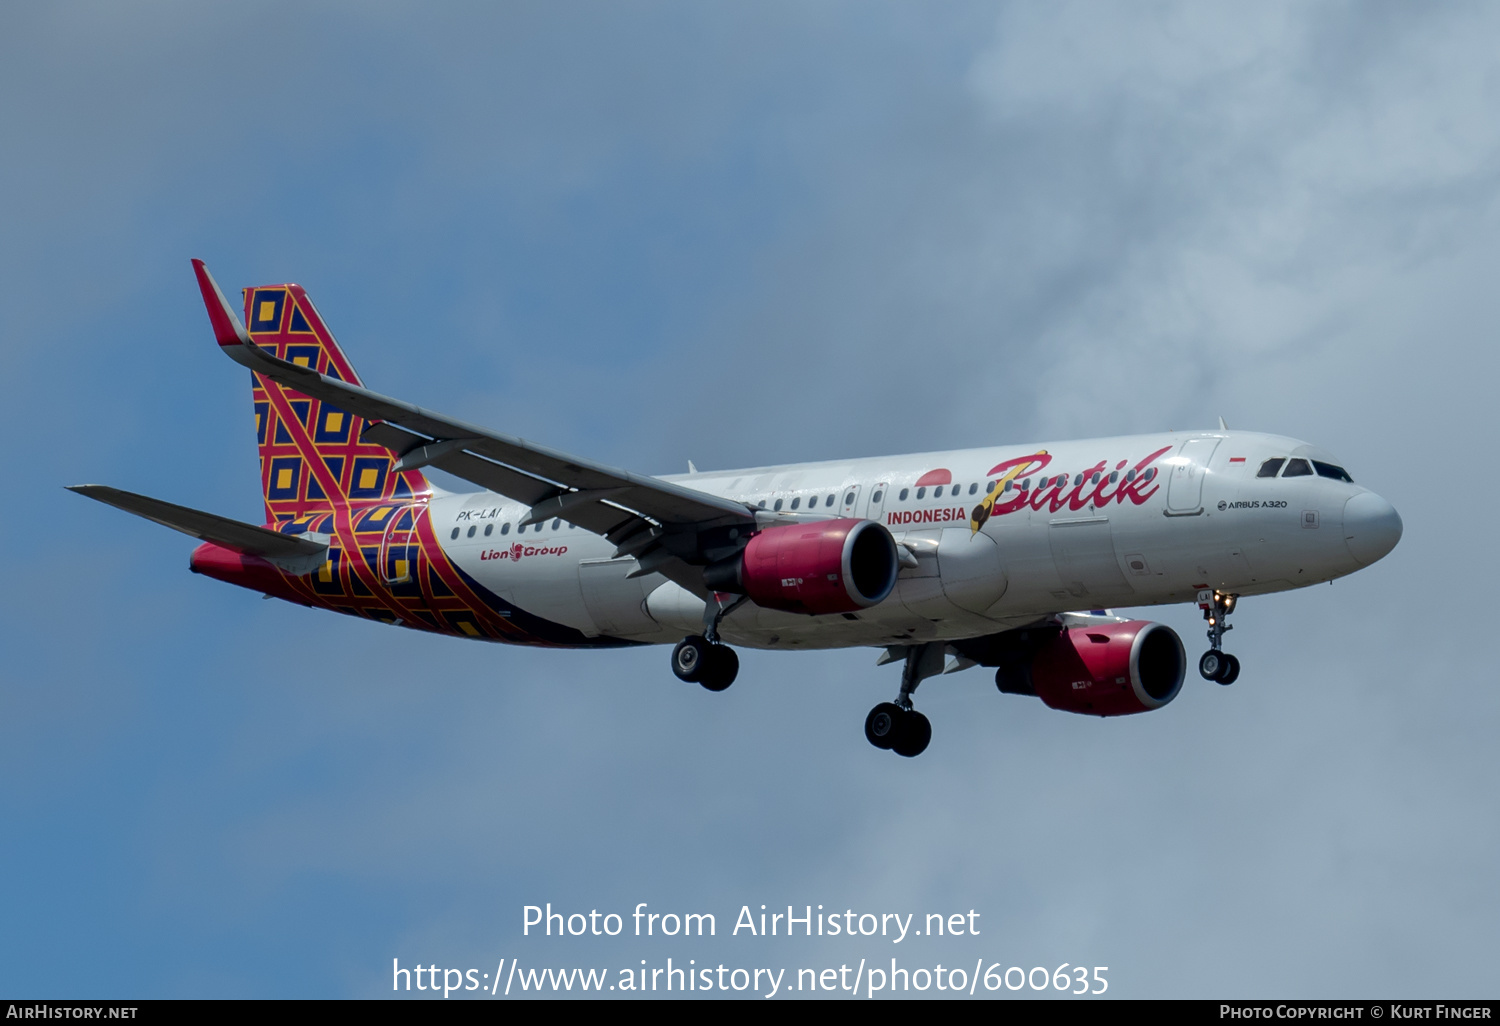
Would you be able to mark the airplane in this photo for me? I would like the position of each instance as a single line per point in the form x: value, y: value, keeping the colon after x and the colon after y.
x: 1006, y: 557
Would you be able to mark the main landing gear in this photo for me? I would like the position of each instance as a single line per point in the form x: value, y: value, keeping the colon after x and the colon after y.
x: 1216, y: 664
x: 700, y: 661
x: 897, y: 726
x: 702, y: 658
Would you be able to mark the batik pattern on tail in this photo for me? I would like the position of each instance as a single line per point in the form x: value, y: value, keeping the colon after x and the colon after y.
x: 384, y: 562
x: 311, y: 458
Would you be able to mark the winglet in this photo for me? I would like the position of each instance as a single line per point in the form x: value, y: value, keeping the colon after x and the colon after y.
x: 228, y: 331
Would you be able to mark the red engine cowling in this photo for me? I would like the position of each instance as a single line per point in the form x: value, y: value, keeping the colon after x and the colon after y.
x: 824, y: 566
x: 1111, y: 670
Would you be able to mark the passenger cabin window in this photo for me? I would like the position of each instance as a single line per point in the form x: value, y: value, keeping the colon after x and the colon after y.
x: 937, y: 493
x: 828, y: 501
x: 505, y: 528
x: 454, y: 534
x: 489, y: 529
x: 922, y: 493
x: 796, y: 502
x: 1296, y: 468
x: 849, y: 499
x: 877, y: 497
x: 1330, y: 471
x: 1270, y: 467
x: 903, y: 495
x: 777, y: 507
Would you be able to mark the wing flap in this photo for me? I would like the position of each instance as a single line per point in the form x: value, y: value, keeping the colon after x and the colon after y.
x: 660, y: 500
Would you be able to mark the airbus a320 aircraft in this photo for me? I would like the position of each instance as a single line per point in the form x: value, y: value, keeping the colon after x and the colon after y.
x: 944, y: 561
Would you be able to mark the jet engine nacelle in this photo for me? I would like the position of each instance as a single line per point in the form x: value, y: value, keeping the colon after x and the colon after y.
x: 823, y: 566
x: 1110, y: 670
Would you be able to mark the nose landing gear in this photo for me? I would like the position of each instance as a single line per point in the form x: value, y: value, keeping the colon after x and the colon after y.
x: 1216, y: 664
x: 897, y: 726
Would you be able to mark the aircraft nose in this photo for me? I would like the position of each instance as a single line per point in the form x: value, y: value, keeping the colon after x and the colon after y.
x: 1372, y: 527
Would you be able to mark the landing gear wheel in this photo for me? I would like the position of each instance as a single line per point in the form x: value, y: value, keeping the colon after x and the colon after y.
x: 913, y: 736
x: 1211, y: 666
x: 691, y: 657
x: 883, y: 725
x: 1231, y: 671
x: 722, y: 667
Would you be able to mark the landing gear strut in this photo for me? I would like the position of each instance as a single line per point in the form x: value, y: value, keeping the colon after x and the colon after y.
x: 897, y: 726
x: 702, y: 658
x: 1216, y: 664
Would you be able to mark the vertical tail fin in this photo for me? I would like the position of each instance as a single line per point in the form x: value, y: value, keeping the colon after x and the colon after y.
x: 311, y: 456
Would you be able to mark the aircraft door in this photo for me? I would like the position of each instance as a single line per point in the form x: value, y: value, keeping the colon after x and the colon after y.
x: 851, y: 500
x: 877, y: 501
x: 1185, y: 487
x: 399, y: 544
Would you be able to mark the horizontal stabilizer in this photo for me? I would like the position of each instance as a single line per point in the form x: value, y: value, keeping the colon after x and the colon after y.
x: 296, y: 554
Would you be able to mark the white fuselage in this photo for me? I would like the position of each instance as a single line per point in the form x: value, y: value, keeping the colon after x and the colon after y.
x: 1134, y: 521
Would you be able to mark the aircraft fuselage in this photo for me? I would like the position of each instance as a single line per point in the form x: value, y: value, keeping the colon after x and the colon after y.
x: 1130, y: 521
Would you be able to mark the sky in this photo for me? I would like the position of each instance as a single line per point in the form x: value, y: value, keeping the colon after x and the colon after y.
x: 744, y: 234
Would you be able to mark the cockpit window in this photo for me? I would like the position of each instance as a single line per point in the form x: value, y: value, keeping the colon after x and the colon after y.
x: 1329, y: 470
x: 1296, y: 468
x: 1270, y: 467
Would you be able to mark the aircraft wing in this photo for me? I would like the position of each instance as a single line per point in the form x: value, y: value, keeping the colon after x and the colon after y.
x: 291, y: 552
x: 659, y: 522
